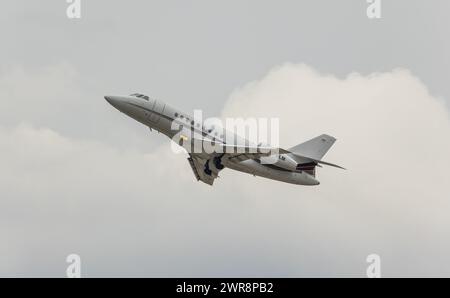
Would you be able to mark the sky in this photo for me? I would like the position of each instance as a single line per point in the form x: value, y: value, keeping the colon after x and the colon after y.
x: 79, y: 177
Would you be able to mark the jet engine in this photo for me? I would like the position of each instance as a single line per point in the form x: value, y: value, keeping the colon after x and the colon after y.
x: 286, y: 162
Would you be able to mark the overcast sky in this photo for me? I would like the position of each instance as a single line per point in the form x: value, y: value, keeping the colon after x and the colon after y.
x: 76, y: 176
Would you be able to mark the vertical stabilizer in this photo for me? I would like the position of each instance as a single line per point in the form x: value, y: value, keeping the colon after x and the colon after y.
x: 314, y: 148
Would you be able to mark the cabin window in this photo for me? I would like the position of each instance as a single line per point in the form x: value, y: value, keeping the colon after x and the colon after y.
x: 141, y: 96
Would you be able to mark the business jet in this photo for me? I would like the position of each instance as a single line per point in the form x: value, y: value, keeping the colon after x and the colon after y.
x: 296, y: 165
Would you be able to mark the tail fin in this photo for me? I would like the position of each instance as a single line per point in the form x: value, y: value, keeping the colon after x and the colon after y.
x: 314, y: 148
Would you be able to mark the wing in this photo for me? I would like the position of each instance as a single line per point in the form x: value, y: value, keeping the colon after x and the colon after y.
x: 238, y: 153
x: 199, y: 167
x: 206, y: 167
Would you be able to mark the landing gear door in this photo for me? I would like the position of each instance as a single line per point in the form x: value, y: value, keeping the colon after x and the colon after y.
x: 158, y: 108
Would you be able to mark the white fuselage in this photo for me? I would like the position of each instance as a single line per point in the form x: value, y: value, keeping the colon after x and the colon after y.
x: 159, y: 116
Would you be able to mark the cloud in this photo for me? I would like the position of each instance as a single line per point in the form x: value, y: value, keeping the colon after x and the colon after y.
x: 393, y: 136
x: 136, y: 213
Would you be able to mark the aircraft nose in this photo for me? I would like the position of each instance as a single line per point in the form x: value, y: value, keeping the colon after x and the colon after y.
x: 113, y: 100
x: 109, y: 99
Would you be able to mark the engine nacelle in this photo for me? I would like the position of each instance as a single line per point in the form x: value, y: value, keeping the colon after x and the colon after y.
x: 286, y: 162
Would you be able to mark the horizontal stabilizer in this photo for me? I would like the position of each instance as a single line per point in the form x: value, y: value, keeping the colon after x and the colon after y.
x: 304, y: 159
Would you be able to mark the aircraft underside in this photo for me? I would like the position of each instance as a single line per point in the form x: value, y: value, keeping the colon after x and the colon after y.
x: 208, y: 170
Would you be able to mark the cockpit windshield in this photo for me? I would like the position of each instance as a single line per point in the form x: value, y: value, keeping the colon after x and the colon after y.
x: 140, y: 96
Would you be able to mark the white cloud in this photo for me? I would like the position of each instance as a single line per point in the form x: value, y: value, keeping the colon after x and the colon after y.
x: 130, y: 213
x: 393, y: 136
